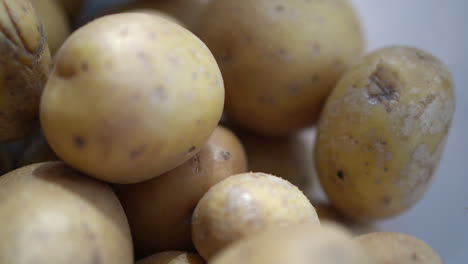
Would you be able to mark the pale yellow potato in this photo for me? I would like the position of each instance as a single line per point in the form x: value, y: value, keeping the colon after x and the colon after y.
x: 52, y: 214
x: 286, y: 157
x: 164, y: 205
x: 24, y: 67
x: 56, y: 25
x: 382, y: 132
x: 172, y: 257
x: 387, y: 247
x: 243, y: 205
x: 131, y: 97
x: 298, y: 244
x: 189, y: 12
x: 280, y: 58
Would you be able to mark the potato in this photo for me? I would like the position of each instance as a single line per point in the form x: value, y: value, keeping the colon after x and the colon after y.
x: 382, y: 132
x: 52, y: 214
x: 164, y: 205
x: 37, y: 151
x: 24, y: 67
x: 386, y: 247
x: 72, y: 7
x: 286, y: 157
x: 55, y: 21
x: 189, y: 12
x: 172, y: 257
x: 132, y: 96
x: 299, y: 244
x: 280, y: 58
x: 245, y: 204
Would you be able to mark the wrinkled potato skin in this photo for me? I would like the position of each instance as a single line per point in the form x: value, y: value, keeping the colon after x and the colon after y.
x: 127, y: 127
x: 189, y: 12
x: 298, y: 244
x: 382, y: 132
x: 164, y: 205
x: 387, y: 247
x: 51, y: 214
x: 172, y: 257
x: 243, y: 205
x: 280, y: 58
x: 55, y: 21
x: 24, y: 67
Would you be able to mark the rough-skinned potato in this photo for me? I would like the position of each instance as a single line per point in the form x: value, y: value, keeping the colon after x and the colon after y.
x: 280, y: 58
x: 172, y: 257
x: 24, y: 67
x: 153, y: 207
x: 243, y: 205
x: 299, y: 244
x: 132, y: 96
x: 52, y: 214
x: 382, y: 132
x: 55, y: 21
x: 387, y: 247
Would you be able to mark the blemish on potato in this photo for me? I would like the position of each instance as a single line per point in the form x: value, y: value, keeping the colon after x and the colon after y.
x: 196, y: 164
x: 192, y: 149
x: 79, y: 142
x: 159, y: 94
x: 226, y: 155
x: 386, y: 200
x: 382, y: 87
x: 279, y: 8
x: 137, y: 152
x: 340, y: 174
x: 84, y: 66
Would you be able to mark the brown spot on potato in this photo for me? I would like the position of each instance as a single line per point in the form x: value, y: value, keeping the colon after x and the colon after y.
x: 84, y: 66
x: 383, y: 88
x: 226, y: 155
x: 385, y: 200
x: 79, y: 142
x: 415, y: 257
x: 66, y: 71
x: 279, y: 8
x: 137, y: 152
x: 340, y: 174
x: 192, y: 149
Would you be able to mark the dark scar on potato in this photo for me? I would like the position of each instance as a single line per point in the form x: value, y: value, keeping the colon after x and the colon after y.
x: 137, y: 152
x: 192, y: 149
x: 340, y: 174
x: 386, y: 200
x: 226, y: 155
x: 79, y: 142
x: 382, y: 88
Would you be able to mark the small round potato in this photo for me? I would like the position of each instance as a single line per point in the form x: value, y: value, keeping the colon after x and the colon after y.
x: 164, y: 205
x: 132, y: 96
x: 299, y: 244
x: 382, y: 132
x: 172, y: 257
x: 243, y: 205
x: 189, y: 12
x: 25, y: 63
x: 386, y: 247
x: 55, y: 21
x: 280, y: 58
x: 50, y: 213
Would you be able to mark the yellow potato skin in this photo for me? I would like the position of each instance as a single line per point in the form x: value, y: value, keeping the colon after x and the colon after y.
x: 52, y: 214
x: 280, y: 58
x: 55, y: 21
x: 299, y: 244
x: 243, y: 205
x: 388, y: 247
x: 132, y: 96
x: 24, y: 67
x: 172, y: 257
x: 164, y: 205
x: 382, y: 132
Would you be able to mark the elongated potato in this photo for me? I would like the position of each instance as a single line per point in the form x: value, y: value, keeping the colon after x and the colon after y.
x: 24, y: 67
x: 131, y: 97
x: 172, y: 257
x: 280, y: 58
x: 387, y: 247
x: 164, y: 205
x: 382, y: 132
x: 52, y: 214
x: 243, y: 205
x: 299, y: 244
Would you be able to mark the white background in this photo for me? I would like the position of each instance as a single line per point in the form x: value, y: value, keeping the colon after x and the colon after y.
x: 440, y: 27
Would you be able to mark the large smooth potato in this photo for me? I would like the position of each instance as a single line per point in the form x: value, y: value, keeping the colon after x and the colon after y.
x: 52, y: 214
x: 298, y: 244
x: 24, y: 67
x: 243, y: 205
x: 172, y: 257
x: 387, y: 247
x: 382, y: 132
x: 154, y: 207
x: 280, y: 58
x: 132, y: 96
x: 55, y: 21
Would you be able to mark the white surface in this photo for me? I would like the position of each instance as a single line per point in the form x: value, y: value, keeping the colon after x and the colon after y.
x: 441, y: 28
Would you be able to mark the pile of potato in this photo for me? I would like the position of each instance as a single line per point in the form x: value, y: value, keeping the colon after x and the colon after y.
x: 119, y: 155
